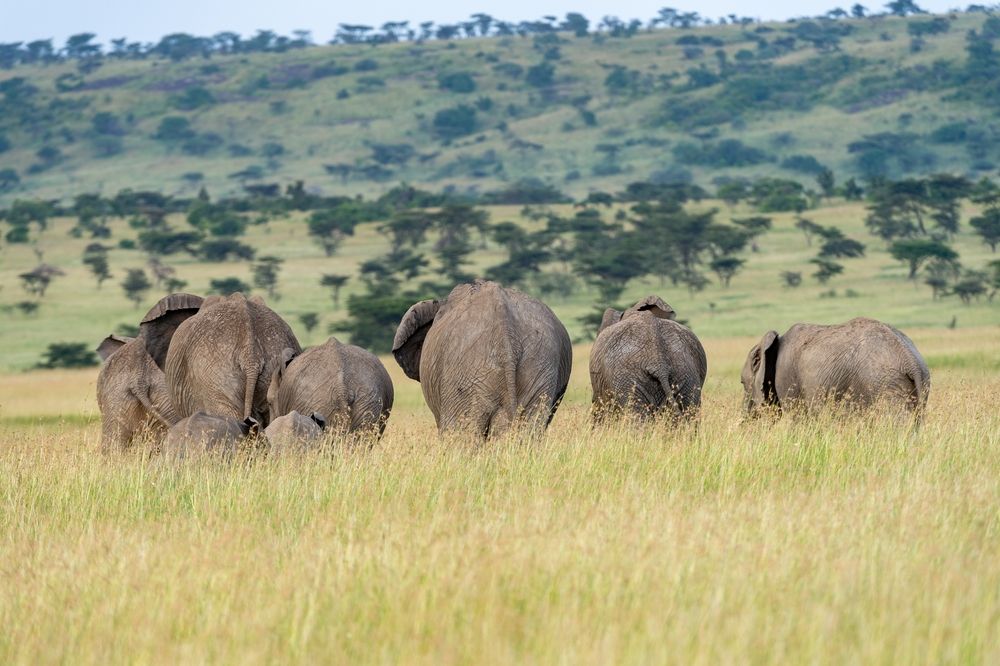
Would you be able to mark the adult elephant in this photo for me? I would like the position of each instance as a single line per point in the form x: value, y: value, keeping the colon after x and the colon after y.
x: 221, y: 360
x: 347, y: 385
x: 860, y: 362
x: 132, y: 391
x: 486, y: 357
x: 646, y: 363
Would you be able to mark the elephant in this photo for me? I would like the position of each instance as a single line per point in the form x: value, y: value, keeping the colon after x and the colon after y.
x: 294, y: 431
x: 203, y: 433
x: 346, y: 385
x: 220, y: 360
x: 487, y: 358
x: 858, y: 363
x: 646, y: 363
x: 132, y: 391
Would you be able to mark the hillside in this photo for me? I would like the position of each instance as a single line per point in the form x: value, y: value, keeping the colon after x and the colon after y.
x: 877, y: 96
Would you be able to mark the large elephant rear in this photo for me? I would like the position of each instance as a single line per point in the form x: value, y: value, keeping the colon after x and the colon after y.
x: 220, y: 361
x: 487, y: 358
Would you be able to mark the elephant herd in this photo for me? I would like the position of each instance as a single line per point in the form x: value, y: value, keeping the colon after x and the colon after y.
x: 206, y: 374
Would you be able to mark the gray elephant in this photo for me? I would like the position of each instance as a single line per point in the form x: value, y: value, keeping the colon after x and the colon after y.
x: 131, y: 388
x: 859, y: 363
x: 201, y: 434
x: 294, y: 432
x: 220, y: 361
x: 486, y: 357
x: 346, y: 385
x: 646, y: 363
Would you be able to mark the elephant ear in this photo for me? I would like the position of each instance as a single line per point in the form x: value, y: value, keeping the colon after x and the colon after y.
x: 110, y: 345
x: 318, y: 419
x: 287, y: 356
x: 410, y: 336
x: 656, y: 307
x: 611, y: 317
x: 763, y: 365
x: 158, y: 326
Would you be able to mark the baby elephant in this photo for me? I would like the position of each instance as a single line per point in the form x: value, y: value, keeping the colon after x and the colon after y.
x: 346, y: 385
x: 294, y: 432
x: 646, y: 363
x: 858, y: 363
x: 203, y: 433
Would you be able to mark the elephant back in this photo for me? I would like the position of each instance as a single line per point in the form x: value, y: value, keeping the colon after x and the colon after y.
x: 221, y: 359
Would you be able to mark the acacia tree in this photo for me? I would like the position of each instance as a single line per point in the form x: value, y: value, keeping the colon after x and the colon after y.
x: 987, y: 226
x: 914, y: 252
x: 334, y: 283
x: 329, y: 227
x: 95, y: 257
x: 135, y: 285
x: 265, y: 274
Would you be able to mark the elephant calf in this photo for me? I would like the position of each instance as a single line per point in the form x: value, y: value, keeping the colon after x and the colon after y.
x: 294, y: 432
x: 645, y: 362
x: 203, y: 433
x: 346, y: 385
x: 859, y: 363
x: 486, y: 358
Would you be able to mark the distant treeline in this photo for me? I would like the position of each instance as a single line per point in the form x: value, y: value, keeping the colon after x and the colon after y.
x: 182, y: 46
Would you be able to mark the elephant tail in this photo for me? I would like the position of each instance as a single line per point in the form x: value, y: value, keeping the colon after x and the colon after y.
x: 250, y: 388
x: 921, y: 388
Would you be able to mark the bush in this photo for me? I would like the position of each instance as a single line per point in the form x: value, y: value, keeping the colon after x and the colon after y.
x: 455, y: 122
x: 457, y: 82
x: 806, y: 164
x: 365, y: 65
x: 202, y: 144
x: 193, y: 98
x: 541, y: 75
x: 228, y: 285
x: 174, y: 128
x: 68, y: 355
x: 726, y: 153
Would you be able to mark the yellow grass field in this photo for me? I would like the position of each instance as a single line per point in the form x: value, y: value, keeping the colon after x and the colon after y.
x: 803, y: 541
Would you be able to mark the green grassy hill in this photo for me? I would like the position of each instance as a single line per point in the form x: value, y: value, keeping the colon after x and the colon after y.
x: 580, y: 113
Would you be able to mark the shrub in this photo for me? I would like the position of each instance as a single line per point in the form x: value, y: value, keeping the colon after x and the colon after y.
x: 174, y: 128
x: 457, y: 82
x: 806, y: 164
x: 228, y: 285
x: 193, y: 98
x: 455, y: 122
x: 68, y: 355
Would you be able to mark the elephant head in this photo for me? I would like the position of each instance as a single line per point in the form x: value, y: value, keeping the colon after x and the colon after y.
x: 158, y: 326
x: 111, y: 344
x: 651, y: 304
x: 759, y: 371
x: 410, y: 334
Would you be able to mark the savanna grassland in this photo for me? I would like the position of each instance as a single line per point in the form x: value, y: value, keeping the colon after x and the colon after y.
x: 826, y: 540
x: 829, y: 539
x: 823, y: 540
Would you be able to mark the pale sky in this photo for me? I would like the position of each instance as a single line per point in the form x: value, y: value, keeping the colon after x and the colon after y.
x: 148, y: 20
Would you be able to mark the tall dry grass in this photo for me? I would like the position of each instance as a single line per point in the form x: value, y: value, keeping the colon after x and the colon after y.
x: 818, y: 540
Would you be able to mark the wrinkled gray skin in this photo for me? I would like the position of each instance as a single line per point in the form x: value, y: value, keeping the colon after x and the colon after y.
x: 221, y: 360
x: 294, y: 432
x: 486, y: 357
x: 131, y: 389
x: 859, y: 362
x: 346, y: 385
x: 201, y: 434
x: 645, y: 363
